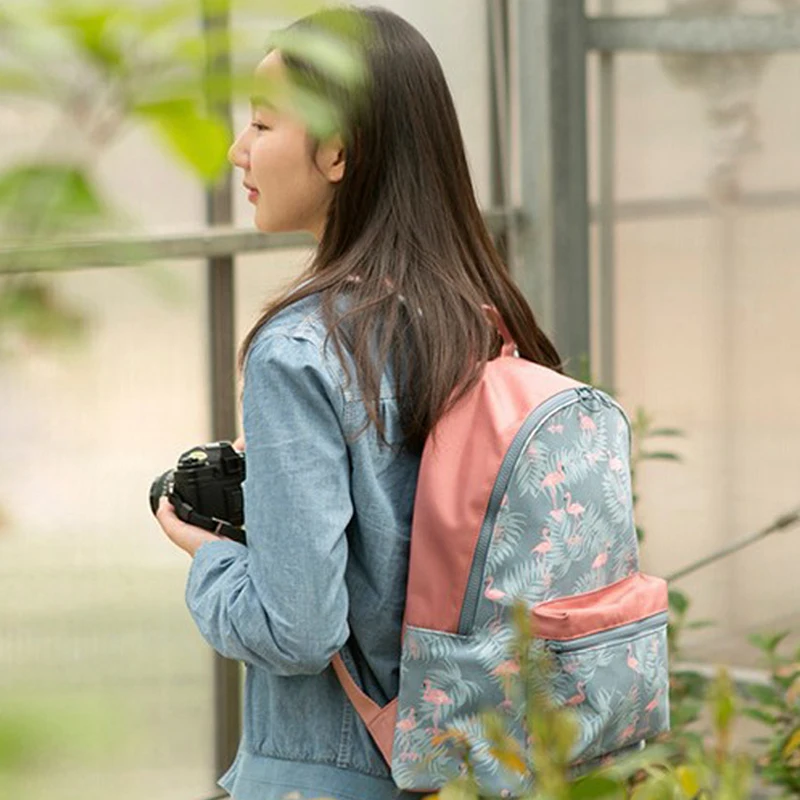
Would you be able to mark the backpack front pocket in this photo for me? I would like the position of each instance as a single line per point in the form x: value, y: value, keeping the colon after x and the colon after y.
x: 610, y: 652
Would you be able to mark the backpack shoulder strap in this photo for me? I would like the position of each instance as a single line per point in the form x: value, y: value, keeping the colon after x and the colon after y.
x: 380, y: 722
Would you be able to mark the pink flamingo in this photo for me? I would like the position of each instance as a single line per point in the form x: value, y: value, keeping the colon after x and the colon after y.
x: 615, y: 463
x: 490, y: 593
x: 651, y: 706
x: 593, y: 458
x: 546, y: 545
x: 437, y: 698
x: 557, y: 514
x: 587, y: 423
x: 495, y: 595
x: 573, y: 509
x: 408, y: 723
x: 552, y: 479
x: 628, y: 732
x: 556, y: 428
x: 578, y: 697
x: 504, y: 670
x: 632, y: 661
x: 601, y: 559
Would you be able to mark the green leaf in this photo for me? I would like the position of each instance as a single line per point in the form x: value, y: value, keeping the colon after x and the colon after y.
x: 760, y: 715
x: 596, y: 786
x: 30, y: 306
x: 688, y: 711
x: 765, y: 695
x: 792, y: 744
x: 768, y: 644
x: 320, y: 115
x: 47, y: 199
x: 459, y: 789
x: 659, y: 456
x: 335, y: 57
x: 91, y: 30
x: 201, y: 141
x: 678, y: 601
x: 700, y: 623
x: 722, y: 701
x: 689, y: 779
x: 666, y: 432
x: 16, y: 81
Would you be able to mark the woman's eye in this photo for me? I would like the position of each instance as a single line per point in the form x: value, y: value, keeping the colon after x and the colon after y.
x: 259, y: 126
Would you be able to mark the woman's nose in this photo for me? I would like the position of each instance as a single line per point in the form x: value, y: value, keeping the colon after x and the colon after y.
x: 237, y: 154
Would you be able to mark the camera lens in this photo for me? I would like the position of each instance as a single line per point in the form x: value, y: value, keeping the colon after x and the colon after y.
x: 159, y: 488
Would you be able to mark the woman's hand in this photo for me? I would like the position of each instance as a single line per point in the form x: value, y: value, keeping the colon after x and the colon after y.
x: 187, y: 537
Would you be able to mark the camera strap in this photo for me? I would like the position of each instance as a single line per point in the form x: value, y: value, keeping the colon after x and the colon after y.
x: 187, y: 513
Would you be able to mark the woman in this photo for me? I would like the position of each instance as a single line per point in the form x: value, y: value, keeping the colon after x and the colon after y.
x: 345, y: 375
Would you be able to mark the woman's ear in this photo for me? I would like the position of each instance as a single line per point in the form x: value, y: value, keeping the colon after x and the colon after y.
x: 331, y: 159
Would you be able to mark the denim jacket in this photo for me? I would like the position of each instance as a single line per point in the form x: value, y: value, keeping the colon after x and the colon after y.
x: 325, y: 569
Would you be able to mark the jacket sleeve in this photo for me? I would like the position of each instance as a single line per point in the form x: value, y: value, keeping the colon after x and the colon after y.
x: 281, y: 602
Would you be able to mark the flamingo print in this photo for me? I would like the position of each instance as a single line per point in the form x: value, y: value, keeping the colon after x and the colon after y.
x: 593, y: 458
x: 653, y: 704
x: 615, y: 463
x: 437, y: 698
x: 629, y: 731
x: 545, y: 546
x: 632, y: 661
x: 490, y: 593
x: 601, y: 559
x: 496, y: 596
x: 505, y: 670
x: 552, y: 479
x: 579, y: 696
x: 573, y: 509
x: 556, y: 428
x: 405, y: 726
x: 408, y: 723
x: 587, y: 423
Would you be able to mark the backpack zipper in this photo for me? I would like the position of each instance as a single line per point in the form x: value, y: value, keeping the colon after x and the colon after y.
x: 638, y: 628
x: 534, y: 421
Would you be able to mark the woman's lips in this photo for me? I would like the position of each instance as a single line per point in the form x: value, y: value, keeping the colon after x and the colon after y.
x: 252, y: 195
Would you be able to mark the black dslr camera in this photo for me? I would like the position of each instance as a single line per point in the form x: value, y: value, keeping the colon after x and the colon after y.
x: 205, y: 489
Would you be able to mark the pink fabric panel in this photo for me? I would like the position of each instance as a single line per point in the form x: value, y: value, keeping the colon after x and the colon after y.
x: 458, y: 470
x: 628, y: 600
x: 379, y: 721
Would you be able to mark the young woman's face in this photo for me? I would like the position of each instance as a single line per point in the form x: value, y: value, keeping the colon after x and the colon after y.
x: 290, y: 186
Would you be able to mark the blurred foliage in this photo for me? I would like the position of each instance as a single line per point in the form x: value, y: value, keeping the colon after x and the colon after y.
x: 100, y: 67
x: 709, y: 770
x: 777, y: 707
x: 94, y: 69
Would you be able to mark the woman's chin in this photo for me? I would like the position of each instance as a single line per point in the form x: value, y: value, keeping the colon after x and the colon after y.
x: 272, y: 226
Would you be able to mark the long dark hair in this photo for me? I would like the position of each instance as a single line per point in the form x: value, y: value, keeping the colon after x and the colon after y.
x: 405, y: 240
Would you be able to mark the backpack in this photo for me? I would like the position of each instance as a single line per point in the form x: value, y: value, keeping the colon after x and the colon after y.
x: 524, y: 491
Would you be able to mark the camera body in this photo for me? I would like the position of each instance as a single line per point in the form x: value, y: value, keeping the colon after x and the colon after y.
x: 205, y: 489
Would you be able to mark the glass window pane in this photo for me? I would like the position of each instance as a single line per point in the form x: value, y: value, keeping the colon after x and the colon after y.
x: 705, y: 297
